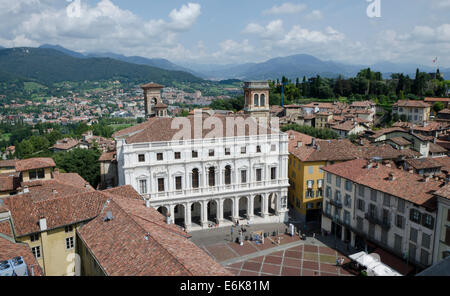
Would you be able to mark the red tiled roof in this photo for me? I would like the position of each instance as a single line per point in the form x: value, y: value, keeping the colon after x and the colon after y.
x: 65, y: 144
x: 436, y: 148
x: 108, y: 156
x: 137, y: 242
x: 412, y: 103
x: 159, y: 129
x: 405, y: 185
x: 10, y: 250
x: 400, y: 141
x: 444, y: 191
x: 325, y: 150
x: 437, y: 100
x: 152, y: 85
x: 346, y: 126
x: 34, y: 163
x: 124, y: 191
x: 423, y: 163
x: 8, y: 163
x: 5, y: 228
x: 9, y: 183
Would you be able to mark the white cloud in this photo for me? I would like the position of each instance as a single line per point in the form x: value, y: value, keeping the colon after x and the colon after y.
x: 315, y: 15
x: 102, y: 27
x: 441, y: 4
x: 286, y: 8
x: 272, y: 31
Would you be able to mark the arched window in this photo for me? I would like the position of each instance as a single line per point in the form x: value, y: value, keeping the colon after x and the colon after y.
x: 227, y: 175
x: 256, y: 100
x: 195, y: 178
x: 154, y: 101
x: 263, y: 101
x: 212, y: 176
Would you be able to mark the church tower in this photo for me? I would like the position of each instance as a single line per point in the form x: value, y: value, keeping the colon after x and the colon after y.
x: 154, y: 105
x: 256, y: 95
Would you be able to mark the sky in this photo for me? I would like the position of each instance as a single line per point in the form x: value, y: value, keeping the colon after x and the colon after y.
x: 232, y: 31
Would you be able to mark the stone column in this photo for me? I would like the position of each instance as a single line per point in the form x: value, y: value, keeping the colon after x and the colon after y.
x: 172, y: 214
x: 251, y: 207
x: 220, y: 210
x: 265, y: 205
x: 204, y: 213
x: 187, y: 216
x: 235, y: 208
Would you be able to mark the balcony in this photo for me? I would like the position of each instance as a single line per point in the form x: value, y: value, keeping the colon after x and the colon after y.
x: 375, y: 220
x: 336, y: 203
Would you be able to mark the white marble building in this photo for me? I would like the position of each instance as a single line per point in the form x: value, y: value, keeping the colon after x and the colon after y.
x: 206, y: 180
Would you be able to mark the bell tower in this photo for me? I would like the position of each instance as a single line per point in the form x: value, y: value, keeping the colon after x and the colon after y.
x: 256, y: 95
x: 154, y: 105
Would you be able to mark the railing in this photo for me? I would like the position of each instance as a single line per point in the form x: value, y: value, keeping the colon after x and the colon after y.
x: 375, y: 220
x: 336, y: 203
x: 215, y: 189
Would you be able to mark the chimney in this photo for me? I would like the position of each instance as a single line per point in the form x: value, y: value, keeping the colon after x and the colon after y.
x: 391, y: 177
x: 87, y: 185
x: 54, y: 191
x: 313, y: 142
x: 43, y: 224
x: 299, y: 144
x: 26, y: 190
x: 147, y: 203
x: 411, y: 171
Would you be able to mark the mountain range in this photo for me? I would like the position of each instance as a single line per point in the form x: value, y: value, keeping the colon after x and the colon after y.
x: 291, y: 66
x: 48, y: 66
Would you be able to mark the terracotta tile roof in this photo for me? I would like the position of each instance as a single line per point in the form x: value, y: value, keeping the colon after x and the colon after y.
x: 400, y: 141
x: 10, y: 250
x: 346, y: 126
x: 152, y: 85
x: 412, y: 103
x: 436, y: 148
x: 423, y: 163
x: 59, y: 211
x: 367, y: 104
x: 325, y: 150
x: 402, y: 124
x: 8, y: 163
x: 108, y: 156
x: 444, y: 162
x: 379, y: 133
x: 405, y: 185
x: 159, y: 129
x: 9, y: 183
x: 444, y: 111
x: 295, y: 137
x: 126, y: 191
x: 137, y: 242
x: 65, y: 144
x: 292, y: 106
x: 34, y: 163
x: 386, y: 152
x: 437, y: 100
x: 444, y: 191
x: 6, y: 229
x: 431, y: 126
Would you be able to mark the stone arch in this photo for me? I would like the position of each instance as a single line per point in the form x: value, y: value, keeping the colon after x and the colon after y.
x: 180, y: 215
x: 256, y: 100
x: 213, y: 211
x: 272, y: 203
x: 163, y: 210
x: 243, y: 206
x: 228, y: 205
x: 258, y: 205
x: 196, y: 213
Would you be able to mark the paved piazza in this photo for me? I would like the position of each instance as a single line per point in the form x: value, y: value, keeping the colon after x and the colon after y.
x: 293, y: 257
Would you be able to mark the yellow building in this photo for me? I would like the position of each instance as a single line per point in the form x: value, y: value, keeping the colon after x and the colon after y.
x: 323, y: 119
x: 307, y: 156
x: 46, y: 212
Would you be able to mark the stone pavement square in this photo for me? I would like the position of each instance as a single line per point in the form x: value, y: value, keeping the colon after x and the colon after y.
x: 248, y: 273
x: 257, y: 259
x: 311, y: 256
x: 309, y: 272
x: 328, y: 268
x: 328, y: 259
x: 271, y: 269
x: 310, y: 249
x: 310, y: 265
x: 293, y: 254
x: 289, y: 271
x: 252, y: 266
x: 246, y: 249
x: 273, y: 259
x: 292, y: 262
x: 327, y: 251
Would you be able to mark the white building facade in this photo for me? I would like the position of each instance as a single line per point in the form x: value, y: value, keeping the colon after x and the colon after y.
x: 207, y: 181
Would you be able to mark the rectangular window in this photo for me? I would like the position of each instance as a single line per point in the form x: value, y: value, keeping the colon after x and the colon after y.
x: 398, y: 242
x: 348, y: 185
x: 361, y: 205
x: 337, y: 196
x: 386, y: 200
x: 178, y: 183
x: 412, y: 252
x: 273, y: 173
x: 359, y: 223
x: 243, y: 150
x: 177, y: 155
x: 329, y: 178
x: 338, y: 181
x: 41, y: 174
x: 194, y: 153
x: 143, y: 186
x: 373, y: 195
x: 361, y: 190
x: 347, y: 217
x: 258, y: 149
x: 258, y: 175
x: 424, y: 255
x: 328, y: 192
x: 273, y: 148
x: 413, y: 235
x: 32, y: 175
x: 160, y: 184
x: 227, y: 151
x: 386, y: 216
x: 414, y: 215
x: 159, y: 156
x: 243, y: 176
x: 68, y: 228
x: 69, y: 243
x: 34, y: 237
x: 141, y: 157
x: 311, y: 170
x: 211, y: 152
x: 426, y: 240
x: 36, y: 252
x: 428, y: 221
x: 401, y: 206
x: 348, y: 201
x: 373, y: 210
x: 400, y: 221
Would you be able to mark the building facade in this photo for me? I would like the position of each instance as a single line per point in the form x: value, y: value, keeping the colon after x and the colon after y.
x: 206, y: 180
x: 442, y: 237
x: 413, y: 111
x: 368, y: 204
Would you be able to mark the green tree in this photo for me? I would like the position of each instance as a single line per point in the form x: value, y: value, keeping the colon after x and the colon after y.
x: 437, y: 107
